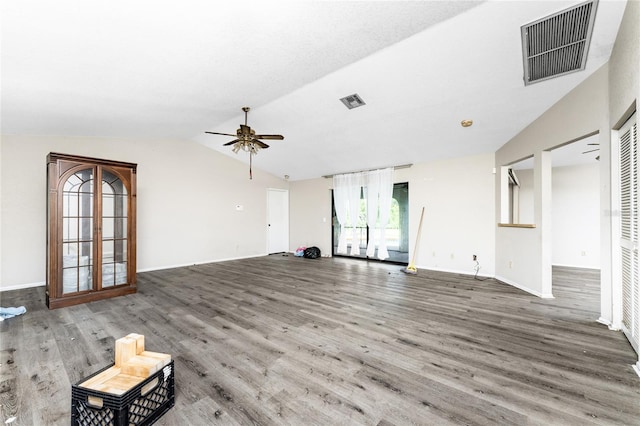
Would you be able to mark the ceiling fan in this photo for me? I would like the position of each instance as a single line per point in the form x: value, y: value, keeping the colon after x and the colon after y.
x: 247, y: 140
x: 593, y: 150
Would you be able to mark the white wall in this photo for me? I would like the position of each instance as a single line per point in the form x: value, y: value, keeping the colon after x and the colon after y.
x: 524, y: 256
x: 624, y: 77
x: 575, y: 210
x: 310, y: 218
x: 458, y: 198
x: 576, y: 216
x: 457, y: 195
x: 186, y: 199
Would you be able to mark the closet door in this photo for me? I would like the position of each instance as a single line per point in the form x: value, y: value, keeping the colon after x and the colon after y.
x: 629, y: 232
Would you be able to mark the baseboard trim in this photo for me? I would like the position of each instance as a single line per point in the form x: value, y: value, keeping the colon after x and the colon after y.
x: 453, y: 271
x: 593, y: 268
x: 608, y: 323
x: 526, y: 289
x: 204, y: 262
x: 605, y: 321
x: 42, y: 283
x: 22, y: 286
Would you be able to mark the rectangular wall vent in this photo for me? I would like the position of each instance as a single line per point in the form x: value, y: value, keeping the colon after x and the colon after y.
x: 557, y: 44
x: 352, y: 101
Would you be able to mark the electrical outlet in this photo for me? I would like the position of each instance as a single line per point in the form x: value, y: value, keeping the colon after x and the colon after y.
x: 510, y: 264
x: 583, y: 253
x: 452, y: 255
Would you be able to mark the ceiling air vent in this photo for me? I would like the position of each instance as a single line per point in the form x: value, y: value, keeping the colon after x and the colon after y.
x: 352, y: 101
x: 557, y: 44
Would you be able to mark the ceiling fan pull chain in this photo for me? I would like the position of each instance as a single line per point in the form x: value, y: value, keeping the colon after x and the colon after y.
x: 250, y: 165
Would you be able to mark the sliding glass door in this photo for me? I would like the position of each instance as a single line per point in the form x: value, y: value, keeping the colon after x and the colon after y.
x: 397, y: 231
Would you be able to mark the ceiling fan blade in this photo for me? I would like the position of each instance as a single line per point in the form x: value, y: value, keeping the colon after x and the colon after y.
x: 260, y: 143
x: 271, y: 137
x: 593, y: 150
x: 223, y: 134
x: 232, y: 142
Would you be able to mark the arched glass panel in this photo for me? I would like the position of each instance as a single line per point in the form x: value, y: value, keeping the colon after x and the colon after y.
x: 77, y: 232
x: 114, y: 230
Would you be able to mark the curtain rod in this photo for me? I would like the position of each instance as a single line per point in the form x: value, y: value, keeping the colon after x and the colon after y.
x: 403, y: 166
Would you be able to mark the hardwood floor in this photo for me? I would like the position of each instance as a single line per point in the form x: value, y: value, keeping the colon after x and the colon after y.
x: 286, y: 340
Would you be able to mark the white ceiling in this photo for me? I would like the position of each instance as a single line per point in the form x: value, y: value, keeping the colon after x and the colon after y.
x: 168, y: 69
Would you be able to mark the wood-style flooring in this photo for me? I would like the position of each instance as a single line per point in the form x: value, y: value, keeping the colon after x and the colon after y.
x: 281, y: 340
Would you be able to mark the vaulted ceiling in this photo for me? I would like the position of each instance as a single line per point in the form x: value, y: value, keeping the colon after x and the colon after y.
x: 173, y: 70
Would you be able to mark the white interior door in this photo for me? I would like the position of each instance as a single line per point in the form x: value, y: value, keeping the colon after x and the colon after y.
x: 629, y: 232
x: 278, y: 220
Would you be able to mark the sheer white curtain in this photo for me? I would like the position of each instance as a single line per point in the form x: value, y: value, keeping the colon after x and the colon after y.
x: 341, y: 201
x: 378, y: 193
x: 373, y: 188
x: 385, y: 197
x: 355, y: 182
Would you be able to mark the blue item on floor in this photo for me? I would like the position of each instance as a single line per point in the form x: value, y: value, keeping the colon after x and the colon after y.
x: 6, y: 313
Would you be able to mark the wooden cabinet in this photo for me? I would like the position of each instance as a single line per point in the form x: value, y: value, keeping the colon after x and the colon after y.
x: 91, y: 229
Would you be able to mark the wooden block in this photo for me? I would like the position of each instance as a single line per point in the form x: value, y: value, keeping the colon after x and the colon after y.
x: 141, y: 366
x: 125, y: 349
x: 120, y: 384
x: 164, y: 358
x: 99, y: 379
x: 139, y: 338
x: 112, y: 381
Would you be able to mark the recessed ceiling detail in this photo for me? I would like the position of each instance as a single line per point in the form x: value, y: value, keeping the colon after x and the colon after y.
x: 352, y: 101
x: 557, y: 44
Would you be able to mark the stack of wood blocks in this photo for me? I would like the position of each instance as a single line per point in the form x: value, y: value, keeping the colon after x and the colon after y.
x: 132, y: 366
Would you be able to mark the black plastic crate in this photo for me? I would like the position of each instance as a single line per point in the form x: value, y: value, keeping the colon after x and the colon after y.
x: 94, y: 408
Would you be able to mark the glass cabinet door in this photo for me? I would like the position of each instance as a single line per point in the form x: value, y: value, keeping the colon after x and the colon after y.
x: 77, y: 232
x: 114, y: 230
